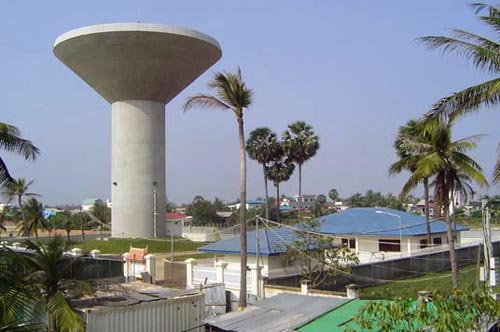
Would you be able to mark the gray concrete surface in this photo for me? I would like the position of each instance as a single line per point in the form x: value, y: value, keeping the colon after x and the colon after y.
x: 138, y: 68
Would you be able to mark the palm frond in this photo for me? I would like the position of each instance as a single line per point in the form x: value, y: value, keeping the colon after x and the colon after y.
x: 476, y: 39
x: 466, y: 101
x: 11, y: 141
x: 480, y: 6
x: 5, y: 176
x: 204, y: 101
x: 482, y: 57
x: 496, y: 170
x: 62, y: 313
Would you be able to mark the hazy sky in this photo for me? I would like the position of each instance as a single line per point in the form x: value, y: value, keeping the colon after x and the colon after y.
x: 351, y: 69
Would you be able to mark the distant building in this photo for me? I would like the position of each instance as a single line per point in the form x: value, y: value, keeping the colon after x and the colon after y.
x: 88, y: 204
x: 308, y: 201
x: 251, y: 204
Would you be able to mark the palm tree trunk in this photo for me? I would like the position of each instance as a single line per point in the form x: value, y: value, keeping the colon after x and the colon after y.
x: 267, y: 193
x: 427, y: 215
x: 449, y: 232
x: 68, y: 231
x: 300, y: 191
x: 25, y: 222
x: 277, y: 184
x: 243, y: 214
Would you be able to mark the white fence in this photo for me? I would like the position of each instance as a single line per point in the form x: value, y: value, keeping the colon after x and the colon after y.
x: 220, y: 274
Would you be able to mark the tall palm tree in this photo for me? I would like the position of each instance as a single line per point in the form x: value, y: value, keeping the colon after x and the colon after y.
x: 300, y: 144
x: 11, y: 141
x: 18, y: 188
x: 453, y: 169
x: 262, y: 146
x: 231, y: 93
x: 412, y: 131
x: 48, y: 270
x: 34, y: 216
x: 484, y: 54
x: 279, y: 170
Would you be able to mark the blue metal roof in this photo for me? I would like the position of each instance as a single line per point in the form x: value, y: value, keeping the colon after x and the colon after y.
x: 271, y: 242
x: 366, y: 221
x: 356, y: 221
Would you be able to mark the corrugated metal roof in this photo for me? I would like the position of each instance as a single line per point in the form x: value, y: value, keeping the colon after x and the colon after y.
x: 366, y: 221
x: 337, y: 320
x: 356, y: 221
x: 271, y: 242
x: 278, y: 313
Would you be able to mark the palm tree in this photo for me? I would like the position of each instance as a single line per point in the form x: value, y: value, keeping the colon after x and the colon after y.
x: 300, y: 144
x: 484, y: 54
x: 413, y: 131
x: 231, y: 93
x: 11, y: 141
x: 48, y: 270
x: 34, y: 216
x: 18, y: 188
x: 17, y: 312
x: 279, y: 170
x: 262, y: 146
x: 453, y: 169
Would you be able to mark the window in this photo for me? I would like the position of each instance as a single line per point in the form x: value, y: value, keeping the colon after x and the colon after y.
x: 389, y: 245
x: 349, y: 243
x: 423, y: 244
x: 437, y: 241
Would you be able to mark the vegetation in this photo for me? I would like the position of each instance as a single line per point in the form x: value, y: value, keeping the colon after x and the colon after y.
x: 120, y: 246
x: 35, y: 299
x: 262, y: 146
x: 34, y: 217
x: 11, y: 141
x: 413, y: 131
x: 202, y: 211
x: 408, y: 288
x: 483, y: 53
x: 47, y: 270
x: 468, y: 310
x: 300, y: 144
x: 101, y: 214
x: 376, y: 199
x: 317, y: 255
x: 17, y: 188
x: 279, y: 170
x: 452, y: 169
x: 232, y: 94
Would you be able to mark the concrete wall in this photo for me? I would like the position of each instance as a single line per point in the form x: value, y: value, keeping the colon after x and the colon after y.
x: 137, y: 168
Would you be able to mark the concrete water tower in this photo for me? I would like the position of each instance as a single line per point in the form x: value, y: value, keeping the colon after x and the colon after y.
x: 138, y: 68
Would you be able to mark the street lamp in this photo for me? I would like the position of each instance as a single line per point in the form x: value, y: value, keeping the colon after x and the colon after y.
x: 400, y: 227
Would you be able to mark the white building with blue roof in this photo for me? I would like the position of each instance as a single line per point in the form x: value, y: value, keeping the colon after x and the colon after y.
x: 381, y: 233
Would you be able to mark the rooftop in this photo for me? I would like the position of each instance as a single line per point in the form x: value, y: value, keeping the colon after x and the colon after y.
x: 366, y: 221
x: 278, y: 313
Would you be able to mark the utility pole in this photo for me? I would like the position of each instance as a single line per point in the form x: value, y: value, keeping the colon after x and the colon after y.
x: 155, y: 213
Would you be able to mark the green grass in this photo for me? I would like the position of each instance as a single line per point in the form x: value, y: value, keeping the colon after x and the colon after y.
x: 196, y: 256
x: 119, y: 246
x: 409, y: 288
